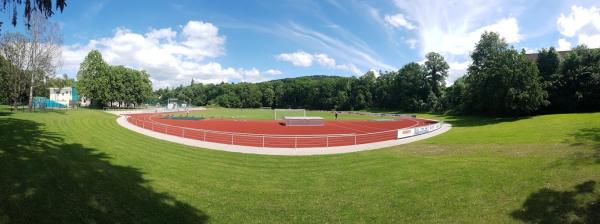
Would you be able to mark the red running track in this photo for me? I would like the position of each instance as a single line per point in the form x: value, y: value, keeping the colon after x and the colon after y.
x: 272, y: 133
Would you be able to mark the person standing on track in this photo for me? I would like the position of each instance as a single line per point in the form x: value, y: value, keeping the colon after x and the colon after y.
x: 336, y: 115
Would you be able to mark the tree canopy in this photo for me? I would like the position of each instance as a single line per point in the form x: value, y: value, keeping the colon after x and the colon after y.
x: 30, y: 7
x: 577, y: 84
x: 107, y: 85
x: 502, y: 81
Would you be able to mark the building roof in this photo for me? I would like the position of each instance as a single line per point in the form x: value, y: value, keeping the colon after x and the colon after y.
x: 533, y: 57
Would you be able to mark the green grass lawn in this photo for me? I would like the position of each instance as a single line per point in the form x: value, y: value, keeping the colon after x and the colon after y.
x: 267, y: 114
x: 81, y: 167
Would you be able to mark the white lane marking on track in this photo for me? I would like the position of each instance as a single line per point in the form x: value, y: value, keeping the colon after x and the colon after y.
x: 361, y: 131
x: 416, y: 123
x: 366, y: 126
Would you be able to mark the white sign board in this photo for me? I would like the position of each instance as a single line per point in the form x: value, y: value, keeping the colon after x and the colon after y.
x: 403, y: 133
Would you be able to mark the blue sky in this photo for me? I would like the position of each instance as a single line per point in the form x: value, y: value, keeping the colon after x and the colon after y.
x: 232, y: 41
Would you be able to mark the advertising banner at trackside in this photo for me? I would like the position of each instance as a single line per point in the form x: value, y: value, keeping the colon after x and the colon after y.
x: 408, y: 132
x: 403, y: 133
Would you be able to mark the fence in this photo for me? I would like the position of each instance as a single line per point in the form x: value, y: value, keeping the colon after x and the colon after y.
x: 278, y: 141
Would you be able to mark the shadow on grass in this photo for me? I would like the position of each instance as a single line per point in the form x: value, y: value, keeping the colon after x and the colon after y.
x: 43, y: 179
x: 5, y: 113
x: 582, y: 205
x: 590, y: 137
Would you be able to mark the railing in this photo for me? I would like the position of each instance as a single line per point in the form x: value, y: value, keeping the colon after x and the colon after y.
x: 278, y: 141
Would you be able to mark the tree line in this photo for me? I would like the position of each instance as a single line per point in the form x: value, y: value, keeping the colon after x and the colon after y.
x: 414, y: 87
x: 500, y: 81
x: 112, y: 86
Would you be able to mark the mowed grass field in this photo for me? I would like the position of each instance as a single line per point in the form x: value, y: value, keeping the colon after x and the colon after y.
x: 268, y: 114
x: 81, y: 167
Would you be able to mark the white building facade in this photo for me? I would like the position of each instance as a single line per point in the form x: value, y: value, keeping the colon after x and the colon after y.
x: 67, y: 96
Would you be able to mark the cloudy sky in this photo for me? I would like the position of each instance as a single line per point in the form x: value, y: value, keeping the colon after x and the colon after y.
x: 233, y: 41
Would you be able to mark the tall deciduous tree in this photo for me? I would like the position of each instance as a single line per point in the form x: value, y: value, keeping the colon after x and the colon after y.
x: 13, y: 47
x: 412, y: 87
x: 93, y: 78
x: 113, y: 85
x: 577, y: 87
x: 502, y: 81
x: 43, y: 51
x: 436, y: 70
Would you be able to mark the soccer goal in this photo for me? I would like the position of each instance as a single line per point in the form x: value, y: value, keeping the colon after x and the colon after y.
x: 280, y: 113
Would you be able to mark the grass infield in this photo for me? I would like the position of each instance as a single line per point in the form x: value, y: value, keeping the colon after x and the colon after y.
x: 81, y: 167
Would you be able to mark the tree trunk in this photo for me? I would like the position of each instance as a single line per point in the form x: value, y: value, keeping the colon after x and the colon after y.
x: 30, y: 104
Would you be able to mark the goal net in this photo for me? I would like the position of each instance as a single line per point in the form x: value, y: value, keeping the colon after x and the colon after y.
x: 280, y: 113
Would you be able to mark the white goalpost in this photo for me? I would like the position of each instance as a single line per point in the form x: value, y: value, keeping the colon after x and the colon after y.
x: 280, y: 113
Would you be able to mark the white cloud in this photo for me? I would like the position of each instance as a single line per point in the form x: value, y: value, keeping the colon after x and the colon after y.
x: 412, y: 43
x: 325, y: 60
x: 299, y: 58
x: 457, y: 69
x: 398, y: 21
x: 347, y: 47
x: 171, y: 58
x: 461, y: 43
x: 564, y: 45
x: 349, y: 67
x: 303, y: 59
x: 583, y: 23
x: 592, y: 40
x: 166, y: 34
x: 448, y: 28
x: 273, y: 72
x: 579, y: 19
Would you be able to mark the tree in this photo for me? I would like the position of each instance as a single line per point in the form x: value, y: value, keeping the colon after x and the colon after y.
x: 502, y: 81
x: 43, y: 51
x: 362, y: 91
x: 13, y: 48
x: 436, y: 70
x: 10, y: 82
x: 43, y: 7
x: 412, y: 87
x: 454, y: 97
x: 93, y: 78
x: 384, y: 91
x: 548, y: 63
x: 268, y: 96
x: 577, y: 85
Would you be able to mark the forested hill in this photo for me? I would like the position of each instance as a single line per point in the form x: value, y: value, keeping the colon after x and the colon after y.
x: 312, y: 92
